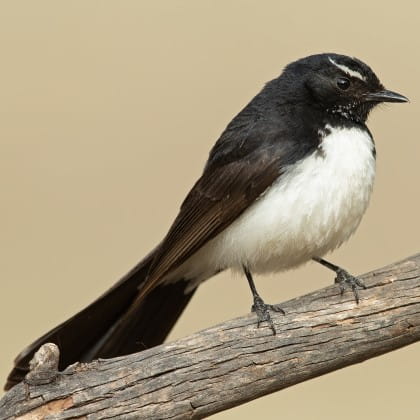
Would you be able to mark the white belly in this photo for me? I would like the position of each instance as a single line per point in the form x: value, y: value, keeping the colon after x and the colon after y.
x: 310, y: 210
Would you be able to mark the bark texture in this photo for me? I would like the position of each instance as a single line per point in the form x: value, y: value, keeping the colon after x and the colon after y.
x: 234, y: 362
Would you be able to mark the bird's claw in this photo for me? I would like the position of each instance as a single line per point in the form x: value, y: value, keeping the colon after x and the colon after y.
x: 344, y: 279
x: 263, y: 312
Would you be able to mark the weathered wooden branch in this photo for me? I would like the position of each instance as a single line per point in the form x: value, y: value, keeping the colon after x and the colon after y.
x: 233, y: 362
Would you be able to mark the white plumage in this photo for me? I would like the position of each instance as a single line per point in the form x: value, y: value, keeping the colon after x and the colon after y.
x: 312, y: 209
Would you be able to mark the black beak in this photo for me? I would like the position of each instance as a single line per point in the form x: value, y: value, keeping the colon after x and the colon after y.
x: 385, y: 96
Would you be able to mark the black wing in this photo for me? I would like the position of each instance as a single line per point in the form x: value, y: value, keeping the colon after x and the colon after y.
x: 246, y: 160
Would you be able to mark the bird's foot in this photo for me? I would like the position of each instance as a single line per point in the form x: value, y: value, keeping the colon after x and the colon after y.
x: 262, y: 310
x: 344, y: 279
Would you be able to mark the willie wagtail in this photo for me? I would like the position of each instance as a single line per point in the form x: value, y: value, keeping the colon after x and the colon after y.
x: 287, y: 181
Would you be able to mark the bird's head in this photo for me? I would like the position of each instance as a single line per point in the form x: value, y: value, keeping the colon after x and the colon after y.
x: 340, y: 85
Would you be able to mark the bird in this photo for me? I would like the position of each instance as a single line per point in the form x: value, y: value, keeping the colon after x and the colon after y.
x: 288, y: 181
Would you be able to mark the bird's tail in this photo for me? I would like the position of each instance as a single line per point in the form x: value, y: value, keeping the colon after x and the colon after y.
x: 115, y: 324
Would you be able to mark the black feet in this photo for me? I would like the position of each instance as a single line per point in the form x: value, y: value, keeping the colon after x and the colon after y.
x: 263, y: 312
x: 260, y: 307
x: 343, y: 278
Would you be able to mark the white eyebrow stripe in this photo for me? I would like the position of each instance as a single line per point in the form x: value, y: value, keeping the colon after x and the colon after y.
x: 345, y: 69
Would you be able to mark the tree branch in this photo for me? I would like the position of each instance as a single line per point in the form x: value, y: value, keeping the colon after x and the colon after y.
x: 234, y: 362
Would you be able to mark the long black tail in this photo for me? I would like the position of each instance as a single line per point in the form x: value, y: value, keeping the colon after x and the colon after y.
x: 115, y: 324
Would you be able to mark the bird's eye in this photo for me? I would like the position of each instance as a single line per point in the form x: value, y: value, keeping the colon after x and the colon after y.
x: 343, y: 83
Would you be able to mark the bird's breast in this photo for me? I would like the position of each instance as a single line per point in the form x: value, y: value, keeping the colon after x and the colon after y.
x: 311, y: 209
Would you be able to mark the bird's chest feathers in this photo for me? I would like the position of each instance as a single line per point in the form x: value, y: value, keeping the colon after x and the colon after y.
x: 313, y: 207
x: 334, y: 184
x: 341, y: 171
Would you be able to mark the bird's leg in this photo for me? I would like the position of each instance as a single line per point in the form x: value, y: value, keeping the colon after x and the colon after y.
x: 343, y: 278
x: 260, y: 307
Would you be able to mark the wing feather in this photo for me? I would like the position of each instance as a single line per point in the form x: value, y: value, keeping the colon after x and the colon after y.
x: 219, y: 197
x: 254, y: 150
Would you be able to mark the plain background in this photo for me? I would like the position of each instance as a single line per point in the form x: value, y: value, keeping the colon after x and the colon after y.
x: 107, y: 112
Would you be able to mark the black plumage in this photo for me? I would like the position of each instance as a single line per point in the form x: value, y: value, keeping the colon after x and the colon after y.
x: 282, y: 125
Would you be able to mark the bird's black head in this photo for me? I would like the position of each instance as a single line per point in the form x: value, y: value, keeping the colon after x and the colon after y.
x: 340, y: 85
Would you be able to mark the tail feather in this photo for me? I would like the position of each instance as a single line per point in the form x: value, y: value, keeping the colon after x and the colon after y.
x: 117, y: 323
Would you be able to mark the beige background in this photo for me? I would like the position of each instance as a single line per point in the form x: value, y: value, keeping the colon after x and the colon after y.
x: 107, y: 112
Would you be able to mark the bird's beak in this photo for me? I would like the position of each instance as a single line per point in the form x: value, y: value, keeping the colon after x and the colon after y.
x: 385, y: 96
